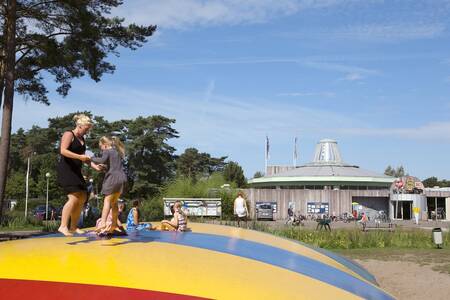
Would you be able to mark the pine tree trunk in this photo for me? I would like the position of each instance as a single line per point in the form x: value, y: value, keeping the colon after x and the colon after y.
x: 10, y: 60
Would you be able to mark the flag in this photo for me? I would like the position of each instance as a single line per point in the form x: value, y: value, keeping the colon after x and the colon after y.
x: 295, y: 151
x: 267, y: 147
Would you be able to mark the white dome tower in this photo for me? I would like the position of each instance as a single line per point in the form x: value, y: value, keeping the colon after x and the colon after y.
x: 327, y: 153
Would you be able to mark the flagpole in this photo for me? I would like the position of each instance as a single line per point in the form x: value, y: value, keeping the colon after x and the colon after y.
x: 266, y: 151
x: 266, y: 154
x: 295, y: 153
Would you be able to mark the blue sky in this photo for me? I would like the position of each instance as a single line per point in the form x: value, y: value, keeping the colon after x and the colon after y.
x: 372, y: 74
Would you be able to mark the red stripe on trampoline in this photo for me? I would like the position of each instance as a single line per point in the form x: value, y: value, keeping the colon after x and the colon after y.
x: 12, y: 289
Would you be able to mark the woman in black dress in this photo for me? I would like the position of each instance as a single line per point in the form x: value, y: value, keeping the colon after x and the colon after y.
x: 73, y: 148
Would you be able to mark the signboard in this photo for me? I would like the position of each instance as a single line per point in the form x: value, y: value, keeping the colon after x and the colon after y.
x: 410, y: 184
x: 206, y: 207
x: 317, y: 208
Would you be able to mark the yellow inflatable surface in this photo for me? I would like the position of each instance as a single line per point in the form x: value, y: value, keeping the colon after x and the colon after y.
x: 209, y: 262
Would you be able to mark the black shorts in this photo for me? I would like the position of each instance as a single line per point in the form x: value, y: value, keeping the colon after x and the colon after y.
x: 69, y: 189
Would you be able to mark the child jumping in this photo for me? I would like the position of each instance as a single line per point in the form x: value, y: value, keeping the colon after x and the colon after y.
x: 113, y: 151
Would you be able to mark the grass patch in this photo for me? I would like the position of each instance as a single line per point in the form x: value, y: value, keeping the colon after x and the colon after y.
x: 356, y: 239
x: 14, y: 222
x: 20, y: 223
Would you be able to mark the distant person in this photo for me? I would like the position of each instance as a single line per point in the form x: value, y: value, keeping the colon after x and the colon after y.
x: 290, y: 213
x: 133, y: 218
x: 53, y: 215
x: 240, y: 208
x: 179, y: 220
x: 69, y: 177
x: 122, y: 217
x: 113, y: 151
x: 364, y: 220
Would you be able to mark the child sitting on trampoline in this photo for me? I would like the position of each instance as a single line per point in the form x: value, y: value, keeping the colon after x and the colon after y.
x: 179, y: 220
x: 133, y: 219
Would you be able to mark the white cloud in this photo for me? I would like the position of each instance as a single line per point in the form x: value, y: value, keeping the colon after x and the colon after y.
x: 352, y: 73
x: 353, y: 76
x: 307, y: 94
x: 204, y: 118
x: 184, y: 14
x: 390, y: 32
x: 436, y: 131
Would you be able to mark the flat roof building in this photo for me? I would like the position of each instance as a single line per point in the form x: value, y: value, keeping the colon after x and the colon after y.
x: 328, y: 185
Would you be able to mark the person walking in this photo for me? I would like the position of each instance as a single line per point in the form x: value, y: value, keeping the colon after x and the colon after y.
x: 240, y: 208
x: 69, y: 176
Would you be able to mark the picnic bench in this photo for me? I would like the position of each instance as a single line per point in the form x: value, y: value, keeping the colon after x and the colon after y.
x: 377, y: 225
x: 323, y: 224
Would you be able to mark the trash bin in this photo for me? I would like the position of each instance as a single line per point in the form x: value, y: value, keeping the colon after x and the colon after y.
x: 437, y: 236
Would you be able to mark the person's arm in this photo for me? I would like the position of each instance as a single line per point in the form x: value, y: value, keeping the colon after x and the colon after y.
x: 66, y: 140
x: 174, y: 221
x: 234, y: 207
x: 135, y: 217
x: 97, y: 167
x: 101, y: 160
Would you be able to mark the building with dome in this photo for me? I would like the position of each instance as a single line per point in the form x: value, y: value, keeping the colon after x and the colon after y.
x: 328, y: 185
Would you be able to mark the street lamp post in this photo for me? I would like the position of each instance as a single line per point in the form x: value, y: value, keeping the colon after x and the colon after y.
x: 91, y: 180
x: 47, y: 176
x: 27, y: 181
x: 26, y: 184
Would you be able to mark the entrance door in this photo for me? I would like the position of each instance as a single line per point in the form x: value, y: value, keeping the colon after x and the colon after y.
x: 404, y: 210
x: 407, y: 210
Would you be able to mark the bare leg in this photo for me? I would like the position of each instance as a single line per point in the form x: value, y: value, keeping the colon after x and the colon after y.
x: 81, y: 198
x: 115, y: 211
x: 66, y: 213
x: 105, y: 211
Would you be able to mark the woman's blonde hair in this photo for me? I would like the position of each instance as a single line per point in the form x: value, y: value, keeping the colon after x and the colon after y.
x: 82, y: 120
x: 115, y: 143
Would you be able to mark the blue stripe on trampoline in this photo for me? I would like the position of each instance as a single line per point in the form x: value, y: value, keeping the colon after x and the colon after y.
x: 340, y: 259
x: 267, y: 254
x: 347, y: 263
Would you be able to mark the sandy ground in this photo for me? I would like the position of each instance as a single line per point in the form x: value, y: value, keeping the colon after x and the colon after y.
x: 409, y: 280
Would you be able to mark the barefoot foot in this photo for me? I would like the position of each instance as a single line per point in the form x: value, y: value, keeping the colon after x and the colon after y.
x: 65, y: 231
x: 78, y: 231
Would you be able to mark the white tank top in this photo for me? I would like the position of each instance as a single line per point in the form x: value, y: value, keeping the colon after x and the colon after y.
x: 240, y: 207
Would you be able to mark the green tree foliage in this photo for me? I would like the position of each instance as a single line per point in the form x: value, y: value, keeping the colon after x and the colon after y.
x: 233, y: 172
x: 67, y: 40
x: 395, y: 172
x: 150, y: 160
x: 193, y: 165
x: 258, y: 174
x: 434, y: 181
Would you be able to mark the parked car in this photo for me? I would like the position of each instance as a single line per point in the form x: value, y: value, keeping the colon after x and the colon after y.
x: 39, y: 211
x: 264, y: 211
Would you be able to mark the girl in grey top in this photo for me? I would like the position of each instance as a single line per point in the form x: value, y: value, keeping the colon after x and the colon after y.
x: 113, y: 152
